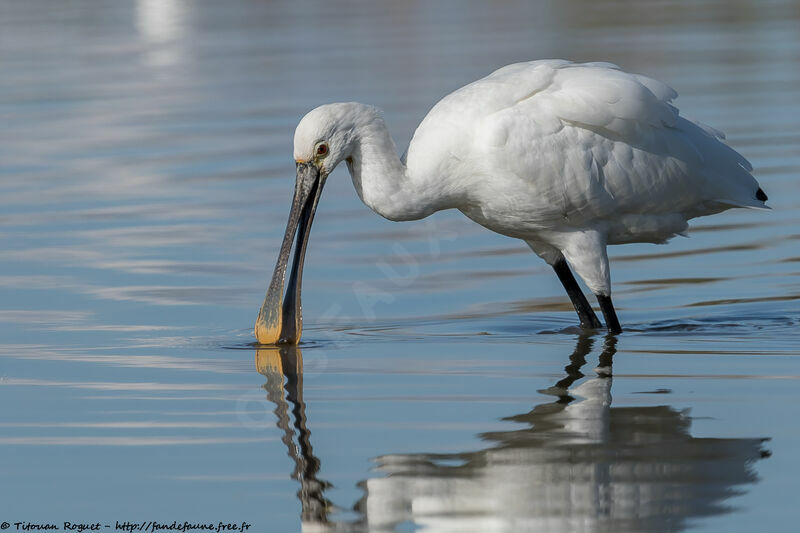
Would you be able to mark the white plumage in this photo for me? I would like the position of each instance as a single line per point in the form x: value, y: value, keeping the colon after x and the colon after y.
x: 568, y: 157
x: 551, y: 150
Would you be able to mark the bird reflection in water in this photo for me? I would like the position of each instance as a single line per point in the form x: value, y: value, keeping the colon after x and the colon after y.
x: 283, y: 368
x: 578, y: 465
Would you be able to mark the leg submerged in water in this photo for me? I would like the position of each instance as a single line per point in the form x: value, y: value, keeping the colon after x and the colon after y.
x: 607, y: 307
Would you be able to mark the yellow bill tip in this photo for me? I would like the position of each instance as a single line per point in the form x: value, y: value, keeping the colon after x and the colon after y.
x: 268, y: 334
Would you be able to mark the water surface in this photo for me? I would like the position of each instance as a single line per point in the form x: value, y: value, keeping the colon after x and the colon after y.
x: 145, y: 176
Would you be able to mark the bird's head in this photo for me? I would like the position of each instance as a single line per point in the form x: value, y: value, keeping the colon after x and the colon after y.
x: 324, y: 138
x: 327, y: 135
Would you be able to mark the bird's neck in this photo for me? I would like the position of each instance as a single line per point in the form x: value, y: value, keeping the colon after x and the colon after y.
x: 384, y: 182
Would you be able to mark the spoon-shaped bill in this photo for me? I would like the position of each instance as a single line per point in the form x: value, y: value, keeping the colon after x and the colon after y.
x: 280, y: 321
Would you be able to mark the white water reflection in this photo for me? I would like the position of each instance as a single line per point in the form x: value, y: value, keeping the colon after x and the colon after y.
x: 161, y: 23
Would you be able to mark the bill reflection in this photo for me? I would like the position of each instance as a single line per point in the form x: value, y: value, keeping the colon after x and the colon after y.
x: 578, y: 464
x: 283, y: 368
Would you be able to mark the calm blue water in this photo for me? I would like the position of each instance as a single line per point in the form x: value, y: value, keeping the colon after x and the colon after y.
x: 145, y: 177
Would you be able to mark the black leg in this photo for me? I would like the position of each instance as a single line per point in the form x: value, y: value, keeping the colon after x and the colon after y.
x: 612, y: 322
x: 585, y: 312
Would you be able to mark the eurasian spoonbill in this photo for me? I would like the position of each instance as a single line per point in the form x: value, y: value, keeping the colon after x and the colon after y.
x: 567, y: 157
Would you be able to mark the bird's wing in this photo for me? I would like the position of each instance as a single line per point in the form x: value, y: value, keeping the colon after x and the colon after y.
x: 594, y: 95
x: 608, y: 140
x: 600, y: 96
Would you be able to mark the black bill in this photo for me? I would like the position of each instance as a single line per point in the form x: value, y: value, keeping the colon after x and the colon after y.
x: 280, y: 320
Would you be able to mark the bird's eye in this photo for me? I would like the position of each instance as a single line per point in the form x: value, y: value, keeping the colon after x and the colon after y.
x: 322, y: 150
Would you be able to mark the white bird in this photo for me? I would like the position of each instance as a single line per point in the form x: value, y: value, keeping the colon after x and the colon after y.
x: 567, y: 157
